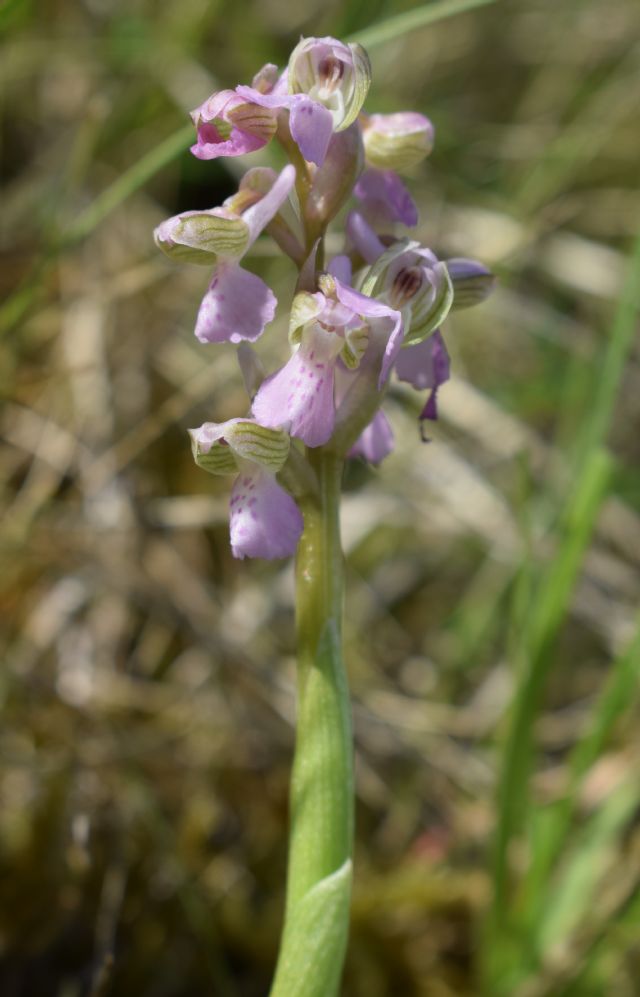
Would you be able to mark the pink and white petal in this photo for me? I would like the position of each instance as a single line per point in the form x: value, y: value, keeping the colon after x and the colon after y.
x: 425, y: 365
x: 211, y: 145
x: 300, y: 396
x: 213, y: 107
x: 311, y: 124
x: 340, y: 267
x: 391, y: 351
x: 259, y: 215
x: 370, y: 308
x: 363, y: 238
x: 361, y: 304
x: 266, y: 78
x: 274, y: 100
x: 376, y: 441
x: 311, y: 127
x: 264, y: 520
x: 385, y: 189
x: 238, y: 305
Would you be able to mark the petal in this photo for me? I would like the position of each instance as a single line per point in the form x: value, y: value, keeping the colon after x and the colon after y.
x: 264, y: 519
x: 300, y: 395
x: 311, y: 127
x: 311, y: 124
x: 340, y: 267
x: 425, y: 365
x: 392, y: 349
x: 260, y: 214
x: 211, y: 144
x: 370, y: 308
x: 213, y: 107
x: 430, y: 410
x: 376, y: 441
x: 363, y: 237
x: 247, y: 126
x: 385, y: 192
x: 237, y: 306
x: 274, y: 100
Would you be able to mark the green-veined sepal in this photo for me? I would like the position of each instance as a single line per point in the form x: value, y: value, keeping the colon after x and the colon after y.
x: 430, y: 306
x: 360, y: 88
x: 220, y: 447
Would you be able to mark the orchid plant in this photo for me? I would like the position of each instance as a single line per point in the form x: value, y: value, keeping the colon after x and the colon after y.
x: 372, y: 312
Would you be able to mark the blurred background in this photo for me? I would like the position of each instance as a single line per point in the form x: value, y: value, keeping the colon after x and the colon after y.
x: 147, y: 688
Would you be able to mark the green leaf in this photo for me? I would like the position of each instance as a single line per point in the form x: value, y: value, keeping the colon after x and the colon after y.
x: 314, y: 942
x: 403, y: 24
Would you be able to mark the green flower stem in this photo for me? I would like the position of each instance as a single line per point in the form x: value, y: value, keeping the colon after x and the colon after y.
x: 321, y: 837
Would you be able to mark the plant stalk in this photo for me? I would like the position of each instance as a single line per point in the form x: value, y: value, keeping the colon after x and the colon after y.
x: 321, y: 834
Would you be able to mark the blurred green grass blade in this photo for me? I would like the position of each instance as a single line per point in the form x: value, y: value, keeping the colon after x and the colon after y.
x: 574, y: 895
x: 411, y: 20
x: 610, y: 371
x: 554, y: 824
x: 553, y: 595
x: 17, y: 304
x: 592, y: 468
x: 619, y: 694
x: 618, y: 936
x: 572, y: 921
x: 128, y: 183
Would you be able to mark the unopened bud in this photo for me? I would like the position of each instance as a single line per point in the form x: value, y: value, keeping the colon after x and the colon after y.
x: 472, y: 282
x: 266, y: 78
x: 396, y: 141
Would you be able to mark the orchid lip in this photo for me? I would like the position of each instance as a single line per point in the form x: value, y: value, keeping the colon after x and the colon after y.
x: 406, y: 285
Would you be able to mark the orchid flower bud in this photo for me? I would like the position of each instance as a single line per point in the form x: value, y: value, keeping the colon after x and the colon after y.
x: 333, y: 74
x: 396, y: 141
x: 472, y: 282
